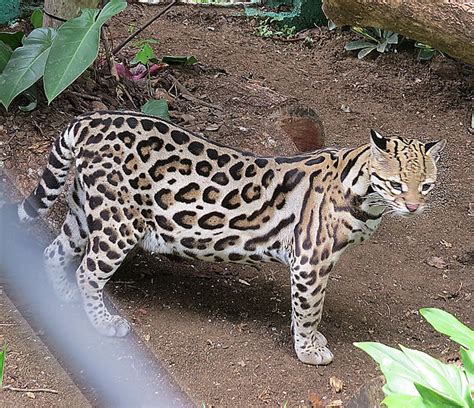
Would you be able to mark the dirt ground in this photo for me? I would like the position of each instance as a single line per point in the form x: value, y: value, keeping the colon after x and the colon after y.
x: 223, y: 331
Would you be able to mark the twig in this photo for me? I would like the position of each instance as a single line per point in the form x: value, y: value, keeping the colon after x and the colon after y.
x: 289, y: 40
x: 9, y: 387
x: 133, y: 35
x: 190, y: 97
x: 108, y: 54
x: 84, y: 96
x: 125, y: 91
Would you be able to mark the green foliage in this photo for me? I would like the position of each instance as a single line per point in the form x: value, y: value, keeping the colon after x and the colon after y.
x: 26, y: 64
x: 374, y: 39
x: 447, y: 324
x: 415, y: 379
x: 37, y: 18
x: 3, y: 355
x: 5, y: 53
x: 76, y: 47
x: 13, y: 40
x: 60, y: 57
x: 266, y: 29
x: 426, y: 52
x: 179, y: 59
x: 145, y: 55
x: 157, y: 107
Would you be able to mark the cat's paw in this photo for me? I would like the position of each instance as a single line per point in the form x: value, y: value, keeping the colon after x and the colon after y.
x: 114, y: 326
x: 315, y: 355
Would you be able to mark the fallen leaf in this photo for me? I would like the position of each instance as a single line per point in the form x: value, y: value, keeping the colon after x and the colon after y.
x: 147, y: 337
x: 436, y: 262
x: 336, y: 384
x: 30, y: 395
x: 334, y: 404
x: 315, y: 400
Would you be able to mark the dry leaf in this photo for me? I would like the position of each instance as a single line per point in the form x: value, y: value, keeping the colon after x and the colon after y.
x: 336, y: 384
x: 315, y: 400
x: 30, y: 395
x: 147, y: 337
x: 334, y: 404
x: 436, y: 262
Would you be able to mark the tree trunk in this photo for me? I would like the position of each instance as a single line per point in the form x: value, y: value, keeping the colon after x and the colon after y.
x: 65, y: 9
x: 447, y: 26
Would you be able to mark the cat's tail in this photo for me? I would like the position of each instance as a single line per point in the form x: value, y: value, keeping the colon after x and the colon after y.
x: 52, y: 181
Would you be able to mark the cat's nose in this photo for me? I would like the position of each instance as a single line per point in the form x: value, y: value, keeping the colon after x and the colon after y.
x: 412, y: 207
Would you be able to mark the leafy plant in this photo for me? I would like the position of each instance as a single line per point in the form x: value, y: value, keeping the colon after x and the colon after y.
x: 60, y: 57
x: 157, y: 107
x: 266, y: 30
x: 76, y: 47
x: 415, y: 379
x: 13, y: 40
x: 26, y: 64
x: 331, y: 25
x: 5, y: 53
x: 375, y: 39
x: 37, y: 18
x: 3, y: 355
x: 145, y: 55
x: 426, y: 52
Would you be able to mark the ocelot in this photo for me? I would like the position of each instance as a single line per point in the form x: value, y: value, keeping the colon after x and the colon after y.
x: 140, y: 180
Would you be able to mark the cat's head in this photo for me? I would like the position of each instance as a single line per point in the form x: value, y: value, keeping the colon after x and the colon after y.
x: 403, y: 171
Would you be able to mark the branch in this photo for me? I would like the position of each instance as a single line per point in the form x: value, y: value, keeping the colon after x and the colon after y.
x: 9, y: 387
x: 133, y: 35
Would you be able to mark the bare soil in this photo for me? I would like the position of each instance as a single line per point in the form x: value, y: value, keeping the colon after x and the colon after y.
x: 223, y: 331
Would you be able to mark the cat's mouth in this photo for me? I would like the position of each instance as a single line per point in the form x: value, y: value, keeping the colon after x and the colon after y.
x: 405, y: 210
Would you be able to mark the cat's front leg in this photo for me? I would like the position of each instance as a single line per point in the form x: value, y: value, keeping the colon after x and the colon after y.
x: 308, y: 287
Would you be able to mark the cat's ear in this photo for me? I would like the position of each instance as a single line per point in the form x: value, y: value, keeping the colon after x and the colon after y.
x: 378, y: 144
x: 433, y: 149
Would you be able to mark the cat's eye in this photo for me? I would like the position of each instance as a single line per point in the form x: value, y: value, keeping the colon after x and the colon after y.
x: 425, y: 187
x: 396, y: 185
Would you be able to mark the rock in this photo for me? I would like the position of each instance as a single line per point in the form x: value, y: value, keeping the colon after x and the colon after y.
x: 98, y: 106
x: 336, y: 384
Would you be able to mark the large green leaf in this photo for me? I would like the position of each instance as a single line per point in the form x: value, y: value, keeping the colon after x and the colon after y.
x: 26, y: 64
x: 76, y: 47
x: 5, y: 53
x: 13, y: 40
x: 467, y: 357
x: 157, y: 107
x: 434, y: 399
x: 396, y: 367
x: 37, y: 18
x: 403, y: 369
x: 447, y: 324
x: 365, y: 51
x: 403, y: 401
x: 357, y: 45
x: 446, y: 379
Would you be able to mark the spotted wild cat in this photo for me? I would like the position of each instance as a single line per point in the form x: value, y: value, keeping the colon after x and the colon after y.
x: 140, y: 180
